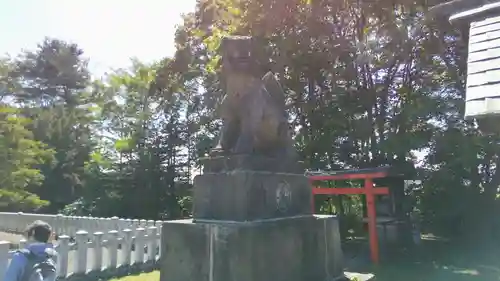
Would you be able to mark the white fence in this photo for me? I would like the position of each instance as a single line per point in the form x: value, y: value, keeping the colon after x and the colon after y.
x: 69, y: 225
x: 117, y: 246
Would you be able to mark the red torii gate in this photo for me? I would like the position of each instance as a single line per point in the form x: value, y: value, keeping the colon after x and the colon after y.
x: 368, y: 190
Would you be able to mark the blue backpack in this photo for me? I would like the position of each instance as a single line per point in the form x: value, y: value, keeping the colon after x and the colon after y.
x: 39, y: 267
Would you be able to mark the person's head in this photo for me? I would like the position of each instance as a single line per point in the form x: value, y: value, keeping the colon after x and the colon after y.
x: 38, y: 231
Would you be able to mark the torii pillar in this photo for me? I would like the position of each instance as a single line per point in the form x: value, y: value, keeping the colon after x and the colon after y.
x: 483, y: 63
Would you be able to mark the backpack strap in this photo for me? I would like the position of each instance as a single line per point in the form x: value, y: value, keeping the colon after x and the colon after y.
x: 31, y: 256
x: 27, y: 253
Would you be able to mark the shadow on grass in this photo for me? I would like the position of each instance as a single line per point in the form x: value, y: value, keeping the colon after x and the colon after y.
x: 438, y: 260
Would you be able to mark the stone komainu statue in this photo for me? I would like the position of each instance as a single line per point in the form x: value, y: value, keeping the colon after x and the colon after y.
x: 253, y: 110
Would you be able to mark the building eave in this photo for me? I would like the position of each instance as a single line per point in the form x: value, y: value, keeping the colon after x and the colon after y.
x: 455, y: 6
x: 457, y: 10
x: 475, y: 13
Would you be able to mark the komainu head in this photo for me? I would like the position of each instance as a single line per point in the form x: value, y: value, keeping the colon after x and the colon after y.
x: 238, y: 55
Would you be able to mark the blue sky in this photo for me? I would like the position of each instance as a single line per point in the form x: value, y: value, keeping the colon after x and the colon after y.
x: 109, y: 31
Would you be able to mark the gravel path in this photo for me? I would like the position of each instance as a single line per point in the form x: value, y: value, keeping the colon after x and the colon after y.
x: 13, y: 238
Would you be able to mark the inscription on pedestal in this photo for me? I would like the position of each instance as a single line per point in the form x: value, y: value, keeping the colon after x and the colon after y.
x: 283, y: 196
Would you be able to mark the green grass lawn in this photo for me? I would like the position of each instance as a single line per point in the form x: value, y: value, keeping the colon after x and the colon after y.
x: 433, y: 261
x: 441, y: 261
x: 152, y: 276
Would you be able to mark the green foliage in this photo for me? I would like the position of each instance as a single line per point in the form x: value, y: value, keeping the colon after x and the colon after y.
x: 366, y: 85
x: 20, y: 155
x: 50, y: 85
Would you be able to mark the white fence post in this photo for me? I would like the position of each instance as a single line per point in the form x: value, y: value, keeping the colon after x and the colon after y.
x: 58, y: 227
x: 158, y: 224
x: 72, y: 225
x: 127, y: 246
x: 113, y: 249
x: 139, y: 246
x: 21, y: 222
x: 151, y: 223
x: 152, y: 243
x: 97, y: 266
x: 63, y: 252
x: 130, y: 224
x: 114, y: 224
x: 81, y: 251
x: 4, y: 257
x: 107, y: 224
x: 64, y: 226
x: 122, y: 224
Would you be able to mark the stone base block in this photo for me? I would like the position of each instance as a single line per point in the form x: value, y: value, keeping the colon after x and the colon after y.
x: 249, y: 195
x: 303, y: 248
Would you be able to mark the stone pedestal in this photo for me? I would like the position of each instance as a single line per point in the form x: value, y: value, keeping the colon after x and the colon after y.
x: 251, y: 224
x: 289, y: 249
